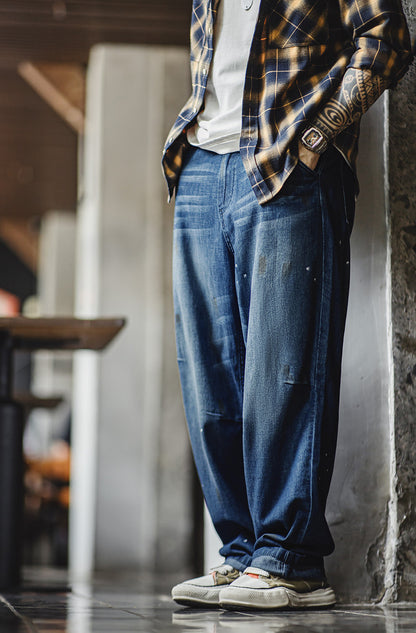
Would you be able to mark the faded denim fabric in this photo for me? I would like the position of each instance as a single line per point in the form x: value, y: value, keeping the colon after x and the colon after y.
x: 260, y: 296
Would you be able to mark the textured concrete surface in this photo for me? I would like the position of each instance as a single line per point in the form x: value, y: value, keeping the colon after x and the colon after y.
x: 402, y: 182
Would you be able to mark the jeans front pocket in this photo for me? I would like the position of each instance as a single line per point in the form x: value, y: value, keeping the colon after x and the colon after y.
x: 308, y: 170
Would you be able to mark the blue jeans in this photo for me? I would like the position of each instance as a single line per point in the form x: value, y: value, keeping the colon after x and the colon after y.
x: 260, y: 297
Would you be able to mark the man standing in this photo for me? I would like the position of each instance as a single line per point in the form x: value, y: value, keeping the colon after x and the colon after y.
x: 262, y: 158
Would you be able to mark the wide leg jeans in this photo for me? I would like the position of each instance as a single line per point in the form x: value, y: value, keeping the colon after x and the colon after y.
x: 260, y: 295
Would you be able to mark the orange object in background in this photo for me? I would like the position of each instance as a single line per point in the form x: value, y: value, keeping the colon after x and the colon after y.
x: 9, y: 304
x: 56, y: 466
x: 47, y: 498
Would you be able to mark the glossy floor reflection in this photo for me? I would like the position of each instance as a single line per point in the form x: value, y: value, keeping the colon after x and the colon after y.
x: 120, y: 604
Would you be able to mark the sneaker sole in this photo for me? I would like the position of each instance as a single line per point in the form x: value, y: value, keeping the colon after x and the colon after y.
x: 189, y: 597
x: 278, y: 598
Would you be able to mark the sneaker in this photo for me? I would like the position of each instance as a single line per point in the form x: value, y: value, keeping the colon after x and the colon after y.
x: 205, y: 590
x: 258, y: 589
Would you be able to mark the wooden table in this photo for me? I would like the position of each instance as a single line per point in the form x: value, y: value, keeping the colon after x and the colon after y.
x: 30, y: 334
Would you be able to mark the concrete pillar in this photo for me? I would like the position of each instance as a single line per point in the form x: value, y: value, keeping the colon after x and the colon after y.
x: 128, y: 419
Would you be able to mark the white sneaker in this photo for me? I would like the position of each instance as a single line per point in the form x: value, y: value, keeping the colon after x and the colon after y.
x: 258, y: 589
x: 205, y: 590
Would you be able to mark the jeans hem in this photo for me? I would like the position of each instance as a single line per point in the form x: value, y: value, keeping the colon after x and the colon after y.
x: 293, y: 567
x: 238, y: 563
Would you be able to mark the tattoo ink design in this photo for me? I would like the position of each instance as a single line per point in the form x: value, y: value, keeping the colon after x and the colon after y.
x: 358, y: 91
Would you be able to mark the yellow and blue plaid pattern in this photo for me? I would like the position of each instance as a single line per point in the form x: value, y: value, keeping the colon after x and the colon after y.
x: 299, y: 55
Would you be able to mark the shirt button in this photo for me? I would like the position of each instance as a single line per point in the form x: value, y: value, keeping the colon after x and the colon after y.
x: 204, y: 71
x: 194, y: 110
x: 171, y: 139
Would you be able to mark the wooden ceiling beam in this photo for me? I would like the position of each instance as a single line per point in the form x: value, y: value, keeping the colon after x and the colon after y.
x: 38, y: 153
x: 62, y: 86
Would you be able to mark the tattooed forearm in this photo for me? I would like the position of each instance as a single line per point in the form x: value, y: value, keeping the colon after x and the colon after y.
x: 358, y: 91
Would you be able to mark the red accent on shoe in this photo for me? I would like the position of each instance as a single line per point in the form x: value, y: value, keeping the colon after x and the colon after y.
x: 256, y: 576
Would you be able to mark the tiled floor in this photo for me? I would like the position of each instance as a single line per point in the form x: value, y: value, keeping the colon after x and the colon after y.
x: 122, y: 604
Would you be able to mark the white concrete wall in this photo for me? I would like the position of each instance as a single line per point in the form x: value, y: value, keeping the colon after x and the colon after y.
x: 128, y: 425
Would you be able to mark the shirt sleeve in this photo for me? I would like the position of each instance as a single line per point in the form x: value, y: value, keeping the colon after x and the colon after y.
x: 381, y: 57
x: 380, y: 35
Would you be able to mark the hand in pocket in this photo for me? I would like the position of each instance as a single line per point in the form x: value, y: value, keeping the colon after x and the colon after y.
x: 307, y: 157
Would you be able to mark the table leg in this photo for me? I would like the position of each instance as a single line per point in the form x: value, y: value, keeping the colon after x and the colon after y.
x: 11, y: 472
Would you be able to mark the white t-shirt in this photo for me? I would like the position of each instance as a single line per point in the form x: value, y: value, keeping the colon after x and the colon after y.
x: 218, y: 125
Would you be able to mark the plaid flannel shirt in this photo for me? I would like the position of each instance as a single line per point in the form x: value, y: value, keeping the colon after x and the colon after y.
x: 300, y: 52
